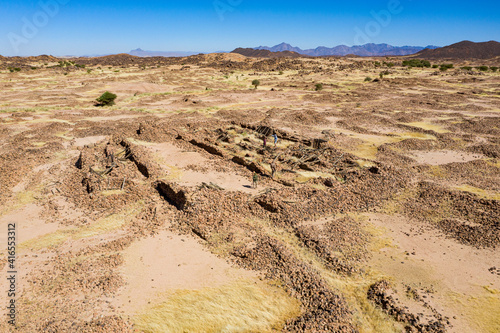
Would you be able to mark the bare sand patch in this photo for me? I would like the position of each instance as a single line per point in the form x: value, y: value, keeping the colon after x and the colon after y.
x: 28, y: 223
x: 422, y: 258
x: 440, y: 157
x: 168, y: 262
x: 89, y: 140
x: 179, y: 163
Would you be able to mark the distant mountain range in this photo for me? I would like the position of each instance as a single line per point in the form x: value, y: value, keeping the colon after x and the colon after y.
x: 461, y: 50
x: 253, y: 53
x: 367, y: 50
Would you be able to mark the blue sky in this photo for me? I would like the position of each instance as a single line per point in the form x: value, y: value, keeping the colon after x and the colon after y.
x: 74, y: 27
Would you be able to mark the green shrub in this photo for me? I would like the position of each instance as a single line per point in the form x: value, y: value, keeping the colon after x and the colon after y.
x: 368, y: 79
x: 318, y: 87
x: 14, y: 69
x: 494, y: 68
x: 417, y: 63
x: 106, y: 99
x: 382, y: 74
x: 389, y: 64
x: 64, y: 63
x: 256, y: 83
x: 482, y: 68
x: 445, y: 67
x: 377, y: 64
x: 435, y: 66
x: 467, y: 68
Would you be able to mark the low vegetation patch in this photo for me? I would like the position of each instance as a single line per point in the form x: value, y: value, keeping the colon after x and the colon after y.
x: 417, y: 63
x: 106, y: 99
x: 242, y: 306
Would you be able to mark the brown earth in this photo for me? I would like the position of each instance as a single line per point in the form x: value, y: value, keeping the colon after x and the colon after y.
x: 463, y: 50
x: 377, y: 210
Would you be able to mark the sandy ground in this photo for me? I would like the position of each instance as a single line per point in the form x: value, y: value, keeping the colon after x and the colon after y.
x: 179, y: 263
x: 410, y: 154
x: 422, y: 257
x: 177, y: 163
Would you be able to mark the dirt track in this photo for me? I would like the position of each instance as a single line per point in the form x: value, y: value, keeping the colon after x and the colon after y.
x: 383, y: 213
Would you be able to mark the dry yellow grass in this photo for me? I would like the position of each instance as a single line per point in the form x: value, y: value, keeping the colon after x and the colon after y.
x: 479, y: 192
x: 369, y: 147
x: 243, y: 306
x: 112, y: 192
x: 304, y: 176
x: 481, y: 312
x: 428, y: 126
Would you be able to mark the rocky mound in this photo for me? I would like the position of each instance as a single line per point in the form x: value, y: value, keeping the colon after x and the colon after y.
x: 463, y: 50
x: 248, y: 52
x: 40, y: 58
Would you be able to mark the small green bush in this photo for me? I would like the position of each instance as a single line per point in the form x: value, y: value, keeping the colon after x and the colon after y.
x: 435, y: 66
x: 106, y: 99
x: 368, y: 79
x: 445, y: 67
x: 255, y: 83
x: 14, y: 69
x: 466, y: 68
x: 382, y: 74
x: 494, y: 68
x: 482, y: 68
x: 64, y: 63
x: 417, y: 63
x: 318, y: 87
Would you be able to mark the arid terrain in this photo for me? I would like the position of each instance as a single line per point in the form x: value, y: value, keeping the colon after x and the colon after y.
x: 377, y: 210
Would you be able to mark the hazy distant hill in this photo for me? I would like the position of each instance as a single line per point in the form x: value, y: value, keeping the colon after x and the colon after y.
x: 342, y: 50
x: 249, y: 52
x: 463, y: 50
x: 141, y: 53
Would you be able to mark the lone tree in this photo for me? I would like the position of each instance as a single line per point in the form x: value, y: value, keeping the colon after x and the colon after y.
x: 106, y: 99
x: 256, y: 83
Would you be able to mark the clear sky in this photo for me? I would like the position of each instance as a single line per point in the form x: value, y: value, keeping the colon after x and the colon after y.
x: 75, y: 27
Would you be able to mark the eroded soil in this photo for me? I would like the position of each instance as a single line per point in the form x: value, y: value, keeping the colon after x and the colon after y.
x: 377, y: 209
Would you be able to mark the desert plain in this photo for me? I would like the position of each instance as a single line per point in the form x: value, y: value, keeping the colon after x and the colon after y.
x: 377, y: 210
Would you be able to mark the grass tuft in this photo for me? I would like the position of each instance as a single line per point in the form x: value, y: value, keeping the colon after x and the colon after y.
x: 242, y: 306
